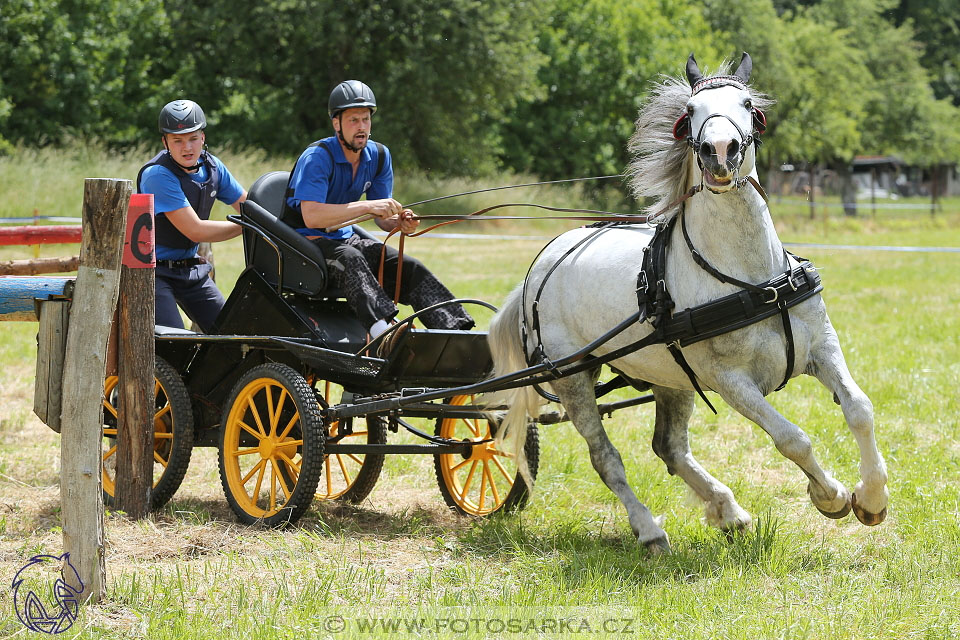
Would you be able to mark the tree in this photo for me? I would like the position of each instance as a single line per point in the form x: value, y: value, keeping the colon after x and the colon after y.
x: 443, y: 71
x: 600, y: 55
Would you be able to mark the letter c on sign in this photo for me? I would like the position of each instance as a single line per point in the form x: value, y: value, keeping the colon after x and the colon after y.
x: 144, y: 221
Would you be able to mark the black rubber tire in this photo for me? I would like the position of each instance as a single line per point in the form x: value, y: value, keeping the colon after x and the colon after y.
x: 369, y: 472
x: 519, y: 493
x: 307, y: 429
x: 176, y: 450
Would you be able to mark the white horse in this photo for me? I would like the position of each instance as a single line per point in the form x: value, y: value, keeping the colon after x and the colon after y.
x: 693, y: 140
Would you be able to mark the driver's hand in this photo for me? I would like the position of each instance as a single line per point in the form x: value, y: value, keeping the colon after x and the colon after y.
x: 408, y: 221
x: 385, y: 208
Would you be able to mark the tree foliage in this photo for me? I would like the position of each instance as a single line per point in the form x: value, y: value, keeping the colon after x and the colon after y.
x: 549, y: 87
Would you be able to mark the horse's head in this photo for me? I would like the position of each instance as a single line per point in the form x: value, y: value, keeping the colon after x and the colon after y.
x: 722, y: 124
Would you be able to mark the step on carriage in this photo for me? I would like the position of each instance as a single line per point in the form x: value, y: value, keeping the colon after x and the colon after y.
x: 284, y: 387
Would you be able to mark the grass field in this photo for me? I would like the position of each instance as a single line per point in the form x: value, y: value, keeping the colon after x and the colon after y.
x: 401, y: 565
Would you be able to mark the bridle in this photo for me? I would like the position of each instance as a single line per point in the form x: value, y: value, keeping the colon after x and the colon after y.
x: 682, y: 127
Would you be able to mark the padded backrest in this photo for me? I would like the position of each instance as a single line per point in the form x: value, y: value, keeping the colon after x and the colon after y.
x: 304, y: 268
x: 268, y: 191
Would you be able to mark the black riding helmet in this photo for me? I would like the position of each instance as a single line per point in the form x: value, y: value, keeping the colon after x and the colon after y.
x: 349, y: 94
x: 182, y: 116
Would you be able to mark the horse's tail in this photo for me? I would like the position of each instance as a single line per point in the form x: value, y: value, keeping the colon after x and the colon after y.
x: 507, y: 349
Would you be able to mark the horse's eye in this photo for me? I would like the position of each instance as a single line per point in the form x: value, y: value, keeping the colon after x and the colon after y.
x: 748, y: 103
x: 689, y: 109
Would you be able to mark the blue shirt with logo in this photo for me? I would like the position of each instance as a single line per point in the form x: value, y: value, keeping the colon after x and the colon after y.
x: 168, y: 196
x: 317, y: 179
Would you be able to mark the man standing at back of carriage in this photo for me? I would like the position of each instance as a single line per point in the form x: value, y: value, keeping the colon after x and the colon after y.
x: 325, y: 190
x: 185, y: 180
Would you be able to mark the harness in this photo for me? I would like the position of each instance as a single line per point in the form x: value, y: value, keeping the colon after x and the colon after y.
x: 200, y: 195
x: 755, y: 302
x: 293, y: 217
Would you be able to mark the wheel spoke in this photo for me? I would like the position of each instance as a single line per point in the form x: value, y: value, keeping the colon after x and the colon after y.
x: 160, y: 460
x: 457, y: 467
x: 279, y: 409
x: 343, y: 470
x: 245, y: 452
x: 162, y: 435
x: 257, y: 466
x: 110, y: 432
x: 502, y: 470
x: 472, y: 426
x: 290, y: 463
x: 483, y: 486
x: 256, y: 415
x: 279, y: 476
x: 466, y: 485
x: 355, y: 458
x: 165, y: 410
x: 493, y: 485
x: 250, y: 430
x: 112, y: 450
x: 294, y: 420
x: 110, y: 409
x: 256, y: 489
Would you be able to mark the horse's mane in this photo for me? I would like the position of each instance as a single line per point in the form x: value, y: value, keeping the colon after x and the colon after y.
x: 661, y: 164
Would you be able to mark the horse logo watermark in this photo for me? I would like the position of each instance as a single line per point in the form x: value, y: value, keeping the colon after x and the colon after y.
x: 42, y: 597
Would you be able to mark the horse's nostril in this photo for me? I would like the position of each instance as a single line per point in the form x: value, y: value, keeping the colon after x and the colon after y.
x: 733, y: 149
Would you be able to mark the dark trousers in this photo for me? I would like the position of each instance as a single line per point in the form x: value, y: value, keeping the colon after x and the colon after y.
x: 352, y: 265
x: 192, y: 289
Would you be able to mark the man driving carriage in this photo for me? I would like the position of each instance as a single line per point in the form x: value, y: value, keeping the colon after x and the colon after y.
x: 185, y: 180
x: 325, y: 190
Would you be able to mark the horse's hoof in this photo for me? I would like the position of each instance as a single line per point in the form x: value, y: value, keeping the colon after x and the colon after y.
x: 658, y: 546
x: 867, y: 518
x: 836, y: 515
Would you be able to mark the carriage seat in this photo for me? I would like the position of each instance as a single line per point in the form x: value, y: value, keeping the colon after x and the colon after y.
x: 304, y: 267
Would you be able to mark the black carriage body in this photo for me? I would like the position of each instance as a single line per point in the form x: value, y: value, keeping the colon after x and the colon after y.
x: 307, y: 326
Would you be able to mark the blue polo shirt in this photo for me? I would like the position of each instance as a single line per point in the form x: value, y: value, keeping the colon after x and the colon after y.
x: 317, y: 179
x: 168, y: 196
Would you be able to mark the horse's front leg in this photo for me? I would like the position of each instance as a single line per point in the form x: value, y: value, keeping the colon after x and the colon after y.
x: 870, y: 496
x: 576, y: 395
x: 671, y: 444
x: 828, y: 495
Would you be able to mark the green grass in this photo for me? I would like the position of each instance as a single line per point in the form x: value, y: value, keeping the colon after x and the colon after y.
x: 568, y: 558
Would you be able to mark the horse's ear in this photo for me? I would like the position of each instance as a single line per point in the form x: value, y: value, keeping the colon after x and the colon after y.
x: 745, y: 68
x: 759, y: 121
x: 681, y: 128
x: 693, y: 71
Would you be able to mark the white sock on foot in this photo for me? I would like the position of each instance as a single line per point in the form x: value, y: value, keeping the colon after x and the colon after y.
x: 378, y: 327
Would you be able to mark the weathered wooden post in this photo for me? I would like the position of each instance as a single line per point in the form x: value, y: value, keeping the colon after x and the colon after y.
x: 105, y: 203
x: 135, y: 361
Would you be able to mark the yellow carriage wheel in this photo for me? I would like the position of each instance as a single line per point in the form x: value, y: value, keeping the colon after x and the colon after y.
x: 487, y: 480
x: 172, y: 434
x: 349, y: 477
x: 271, y: 446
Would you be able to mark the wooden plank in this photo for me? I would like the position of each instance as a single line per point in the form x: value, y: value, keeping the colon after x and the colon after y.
x: 37, y: 266
x: 135, y: 361
x: 51, y: 347
x: 18, y: 294
x: 105, y: 203
x: 46, y: 234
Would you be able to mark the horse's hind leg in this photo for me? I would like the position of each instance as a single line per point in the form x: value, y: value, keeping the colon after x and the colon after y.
x: 576, y: 395
x: 828, y: 495
x: 870, y: 495
x: 671, y: 444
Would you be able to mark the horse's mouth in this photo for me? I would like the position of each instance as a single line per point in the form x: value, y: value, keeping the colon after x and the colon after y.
x: 714, y: 181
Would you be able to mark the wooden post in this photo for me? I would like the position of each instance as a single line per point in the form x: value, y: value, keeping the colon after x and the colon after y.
x: 105, y: 203
x: 135, y: 361
x: 51, y: 345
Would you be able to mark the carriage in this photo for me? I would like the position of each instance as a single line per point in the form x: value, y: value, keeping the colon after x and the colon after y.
x: 719, y: 305
x: 286, y: 387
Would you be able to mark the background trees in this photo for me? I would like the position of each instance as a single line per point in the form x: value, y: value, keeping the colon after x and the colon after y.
x: 548, y: 87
